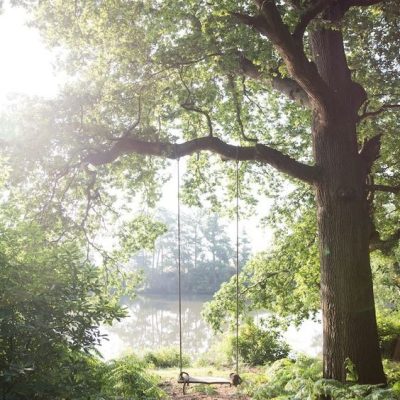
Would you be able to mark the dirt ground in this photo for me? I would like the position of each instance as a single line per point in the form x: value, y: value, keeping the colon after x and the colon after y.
x: 203, y: 392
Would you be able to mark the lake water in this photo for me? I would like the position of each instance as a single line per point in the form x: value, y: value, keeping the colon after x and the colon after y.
x: 153, y: 323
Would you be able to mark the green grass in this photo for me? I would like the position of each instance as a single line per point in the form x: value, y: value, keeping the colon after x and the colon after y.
x: 205, y: 389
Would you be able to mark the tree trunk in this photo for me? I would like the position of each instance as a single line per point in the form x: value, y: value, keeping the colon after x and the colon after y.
x: 349, y: 322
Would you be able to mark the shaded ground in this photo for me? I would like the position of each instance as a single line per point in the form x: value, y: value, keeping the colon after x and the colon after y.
x: 204, y: 392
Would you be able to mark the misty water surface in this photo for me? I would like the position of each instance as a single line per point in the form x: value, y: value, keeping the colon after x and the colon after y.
x: 153, y: 323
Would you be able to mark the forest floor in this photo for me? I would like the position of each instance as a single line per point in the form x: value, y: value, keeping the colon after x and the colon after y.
x: 203, y: 392
x: 199, y: 392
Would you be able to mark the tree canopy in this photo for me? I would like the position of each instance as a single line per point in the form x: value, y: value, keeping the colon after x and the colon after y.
x: 306, y: 88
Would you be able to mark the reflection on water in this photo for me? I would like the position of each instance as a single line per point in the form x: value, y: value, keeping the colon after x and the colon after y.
x: 153, y: 323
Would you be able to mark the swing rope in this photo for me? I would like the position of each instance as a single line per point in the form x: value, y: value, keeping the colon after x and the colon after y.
x: 184, y: 377
x: 179, y: 271
x: 237, y: 267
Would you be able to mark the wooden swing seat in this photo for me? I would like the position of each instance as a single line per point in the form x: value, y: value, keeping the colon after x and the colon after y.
x: 186, y: 379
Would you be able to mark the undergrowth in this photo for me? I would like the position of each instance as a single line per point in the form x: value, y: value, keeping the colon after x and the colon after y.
x: 167, y: 357
x: 301, y: 380
x: 127, y: 378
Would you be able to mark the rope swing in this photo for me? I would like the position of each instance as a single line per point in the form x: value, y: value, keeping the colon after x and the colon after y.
x: 184, y: 377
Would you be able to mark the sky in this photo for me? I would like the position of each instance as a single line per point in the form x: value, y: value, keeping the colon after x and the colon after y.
x: 26, y: 66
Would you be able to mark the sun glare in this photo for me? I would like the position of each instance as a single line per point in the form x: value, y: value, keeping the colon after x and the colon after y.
x: 26, y: 66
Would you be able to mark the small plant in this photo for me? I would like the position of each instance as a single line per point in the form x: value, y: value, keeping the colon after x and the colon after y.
x: 351, y: 371
x: 165, y: 358
x: 205, y: 389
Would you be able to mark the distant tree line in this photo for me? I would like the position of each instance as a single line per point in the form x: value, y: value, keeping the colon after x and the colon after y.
x: 208, y: 255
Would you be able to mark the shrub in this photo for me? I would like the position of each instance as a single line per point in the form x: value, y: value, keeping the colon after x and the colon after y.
x: 257, y: 345
x: 389, y: 332
x: 72, y: 375
x: 51, y: 306
x: 392, y: 371
x: 165, y: 358
x: 127, y: 378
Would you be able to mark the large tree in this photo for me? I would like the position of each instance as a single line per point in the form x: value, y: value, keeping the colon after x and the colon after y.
x: 307, y: 87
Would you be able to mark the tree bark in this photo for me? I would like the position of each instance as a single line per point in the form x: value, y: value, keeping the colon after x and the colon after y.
x: 349, y: 322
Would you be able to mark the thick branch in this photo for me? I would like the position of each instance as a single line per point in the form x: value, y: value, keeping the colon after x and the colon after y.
x: 365, y: 3
x: 270, y: 24
x: 370, y: 151
x: 384, y: 108
x: 386, y: 245
x: 385, y: 188
x: 344, y: 5
x: 292, y: 90
x: 286, y: 86
x: 308, y: 15
x: 259, y: 152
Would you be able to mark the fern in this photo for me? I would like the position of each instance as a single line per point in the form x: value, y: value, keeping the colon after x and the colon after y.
x: 301, y: 380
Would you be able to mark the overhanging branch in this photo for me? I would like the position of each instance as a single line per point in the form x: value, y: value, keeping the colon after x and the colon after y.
x: 259, y: 152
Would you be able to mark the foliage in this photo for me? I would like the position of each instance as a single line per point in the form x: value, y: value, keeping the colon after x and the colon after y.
x: 387, y: 281
x: 165, y: 358
x: 389, y: 331
x: 127, y: 378
x: 301, y: 379
x: 392, y: 370
x: 258, y: 345
x: 283, y: 371
x: 52, y: 301
x: 80, y: 376
x: 72, y: 374
x: 290, y: 266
